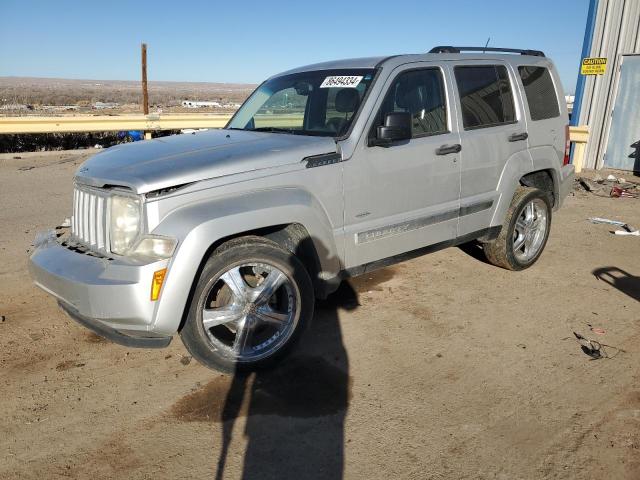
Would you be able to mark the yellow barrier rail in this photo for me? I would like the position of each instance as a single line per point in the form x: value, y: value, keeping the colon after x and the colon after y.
x: 110, y: 123
x: 155, y: 122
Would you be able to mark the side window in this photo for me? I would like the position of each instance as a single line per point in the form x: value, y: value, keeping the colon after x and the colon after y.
x: 421, y: 93
x: 540, y: 92
x: 485, y: 95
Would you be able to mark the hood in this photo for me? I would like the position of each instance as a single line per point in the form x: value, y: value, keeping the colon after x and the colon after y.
x: 178, y: 159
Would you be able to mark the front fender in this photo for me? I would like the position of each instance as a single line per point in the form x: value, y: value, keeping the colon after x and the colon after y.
x: 198, y: 226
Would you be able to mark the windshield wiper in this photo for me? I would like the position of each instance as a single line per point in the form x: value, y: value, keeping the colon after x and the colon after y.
x: 274, y: 130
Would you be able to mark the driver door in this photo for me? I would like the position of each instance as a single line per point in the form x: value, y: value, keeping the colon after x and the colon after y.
x: 407, y: 195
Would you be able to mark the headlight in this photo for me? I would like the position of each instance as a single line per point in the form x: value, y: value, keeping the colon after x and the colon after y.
x: 125, y: 223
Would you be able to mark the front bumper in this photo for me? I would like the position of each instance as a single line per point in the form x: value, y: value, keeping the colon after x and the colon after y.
x: 109, y: 296
x: 112, y: 334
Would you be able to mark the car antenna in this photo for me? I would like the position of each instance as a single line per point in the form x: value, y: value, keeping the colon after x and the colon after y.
x: 486, y: 44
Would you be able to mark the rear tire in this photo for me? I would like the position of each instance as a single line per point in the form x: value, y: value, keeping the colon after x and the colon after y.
x: 250, y: 305
x: 524, y: 233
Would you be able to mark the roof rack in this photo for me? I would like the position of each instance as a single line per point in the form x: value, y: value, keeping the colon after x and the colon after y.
x: 449, y: 49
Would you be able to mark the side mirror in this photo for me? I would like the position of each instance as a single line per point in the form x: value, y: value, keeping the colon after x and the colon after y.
x: 397, y: 126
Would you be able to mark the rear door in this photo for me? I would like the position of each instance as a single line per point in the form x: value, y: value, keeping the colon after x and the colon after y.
x: 493, y: 130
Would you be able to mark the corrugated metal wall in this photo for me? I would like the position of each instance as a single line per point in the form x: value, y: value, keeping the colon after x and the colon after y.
x: 615, y: 32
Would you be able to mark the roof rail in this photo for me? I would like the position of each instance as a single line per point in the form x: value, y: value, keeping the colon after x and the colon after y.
x: 449, y: 49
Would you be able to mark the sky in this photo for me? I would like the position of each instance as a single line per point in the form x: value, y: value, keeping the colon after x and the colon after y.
x: 248, y: 41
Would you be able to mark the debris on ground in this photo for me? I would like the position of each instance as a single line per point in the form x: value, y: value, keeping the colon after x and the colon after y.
x: 617, y: 192
x: 186, y: 360
x: 596, y: 330
x: 596, y: 350
x: 588, y: 185
x: 66, y: 223
x: 607, y: 187
x: 2, y: 318
x: 606, y: 221
x: 626, y: 228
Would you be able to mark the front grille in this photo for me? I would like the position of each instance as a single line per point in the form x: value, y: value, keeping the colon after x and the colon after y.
x: 89, y: 219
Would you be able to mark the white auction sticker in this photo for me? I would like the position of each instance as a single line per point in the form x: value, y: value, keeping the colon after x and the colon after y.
x: 344, y: 81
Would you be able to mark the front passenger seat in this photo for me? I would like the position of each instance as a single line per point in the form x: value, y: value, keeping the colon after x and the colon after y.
x: 347, y: 102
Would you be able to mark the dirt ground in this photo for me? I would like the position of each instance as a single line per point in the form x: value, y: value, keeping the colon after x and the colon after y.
x: 443, y: 367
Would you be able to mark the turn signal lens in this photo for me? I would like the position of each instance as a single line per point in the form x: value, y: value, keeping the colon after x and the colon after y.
x: 153, y: 246
x: 156, y: 283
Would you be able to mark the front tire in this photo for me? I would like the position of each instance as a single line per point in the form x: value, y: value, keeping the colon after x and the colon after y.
x: 524, y: 233
x: 250, y: 305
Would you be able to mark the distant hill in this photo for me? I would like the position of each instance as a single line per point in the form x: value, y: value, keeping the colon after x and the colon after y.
x: 39, y: 92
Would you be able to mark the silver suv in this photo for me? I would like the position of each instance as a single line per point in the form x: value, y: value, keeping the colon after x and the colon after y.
x: 326, y: 171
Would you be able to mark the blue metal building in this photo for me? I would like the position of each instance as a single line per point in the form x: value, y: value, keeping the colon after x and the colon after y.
x: 609, y: 104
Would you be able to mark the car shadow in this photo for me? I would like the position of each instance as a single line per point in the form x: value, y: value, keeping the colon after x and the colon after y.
x: 474, y: 250
x: 620, y: 279
x: 295, y: 411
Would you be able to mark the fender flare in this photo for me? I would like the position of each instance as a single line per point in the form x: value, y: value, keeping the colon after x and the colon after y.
x: 519, y: 165
x: 515, y: 167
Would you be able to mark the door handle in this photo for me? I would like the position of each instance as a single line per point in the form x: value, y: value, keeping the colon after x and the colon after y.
x: 447, y: 149
x: 516, y: 137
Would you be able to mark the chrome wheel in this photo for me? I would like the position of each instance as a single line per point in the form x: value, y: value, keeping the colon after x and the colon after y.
x: 249, y: 311
x: 530, y: 230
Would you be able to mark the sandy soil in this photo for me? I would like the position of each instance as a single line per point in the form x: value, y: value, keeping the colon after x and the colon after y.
x: 441, y: 367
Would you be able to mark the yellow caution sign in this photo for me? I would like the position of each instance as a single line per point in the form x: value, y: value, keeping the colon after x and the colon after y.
x: 593, y: 66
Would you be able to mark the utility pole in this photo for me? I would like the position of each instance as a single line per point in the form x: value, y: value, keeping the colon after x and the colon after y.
x: 145, y: 92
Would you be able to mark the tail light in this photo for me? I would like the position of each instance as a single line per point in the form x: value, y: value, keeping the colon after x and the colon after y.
x: 567, y: 146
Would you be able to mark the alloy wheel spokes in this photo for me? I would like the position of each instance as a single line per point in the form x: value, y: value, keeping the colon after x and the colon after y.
x: 272, y: 317
x: 530, y: 230
x: 520, y: 241
x: 521, y: 225
x: 212, y: 317
x: 265, y: 290
x: 236, y: 283
x: 243, y: 335
x: 257, y: 305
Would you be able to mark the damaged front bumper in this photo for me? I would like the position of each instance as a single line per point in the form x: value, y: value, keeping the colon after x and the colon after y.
x: 109, y: 296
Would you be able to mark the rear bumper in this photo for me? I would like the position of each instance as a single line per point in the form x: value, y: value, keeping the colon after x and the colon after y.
x: 566, y: 180
x: 110, y: 297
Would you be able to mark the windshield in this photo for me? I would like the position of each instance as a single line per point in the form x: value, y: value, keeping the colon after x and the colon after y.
x: 322, y: 103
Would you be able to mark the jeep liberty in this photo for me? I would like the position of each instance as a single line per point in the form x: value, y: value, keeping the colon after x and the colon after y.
x: 228, y: 236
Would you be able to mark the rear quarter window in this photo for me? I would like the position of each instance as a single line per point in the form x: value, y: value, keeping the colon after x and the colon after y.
x: 540, y: 91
